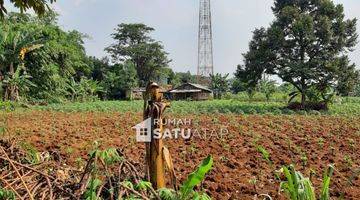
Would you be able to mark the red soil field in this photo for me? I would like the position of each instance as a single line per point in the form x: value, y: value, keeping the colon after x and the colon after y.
x: 310, y: 142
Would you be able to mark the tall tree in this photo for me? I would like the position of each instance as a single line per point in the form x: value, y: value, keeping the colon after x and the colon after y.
x: 304, y: 46
x: 132, y: 42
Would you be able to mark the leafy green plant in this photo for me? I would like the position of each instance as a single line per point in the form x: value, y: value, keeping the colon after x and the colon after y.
x: 265, y: 153
x: 90, y: 193
x: 186, y: 191
x: 195, y: 178
x: 6, y: 194
x: 33, y: 155
x: 297, y: 187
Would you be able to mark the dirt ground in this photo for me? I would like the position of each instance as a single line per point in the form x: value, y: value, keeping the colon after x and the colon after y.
x: 239, y: 172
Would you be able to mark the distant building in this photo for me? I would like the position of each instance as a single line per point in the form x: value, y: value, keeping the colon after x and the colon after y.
x: 190, y: 91
x: 138, y: 93
x: 186, y: 91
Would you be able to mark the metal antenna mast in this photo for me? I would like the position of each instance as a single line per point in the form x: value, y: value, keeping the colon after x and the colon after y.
x: 205, y: 48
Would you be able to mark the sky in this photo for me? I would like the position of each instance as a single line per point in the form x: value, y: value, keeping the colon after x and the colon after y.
x: 176, y: 26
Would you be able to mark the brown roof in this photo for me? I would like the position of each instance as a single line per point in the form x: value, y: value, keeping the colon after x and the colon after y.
x: 197, y: 88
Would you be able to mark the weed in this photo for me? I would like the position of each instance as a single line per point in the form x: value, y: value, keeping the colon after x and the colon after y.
x: 321, y: 142
x: 348, y: 160
x: 253, y: 182
x: 351, y: 143
x: 304, y: 160
x: 265, y: 154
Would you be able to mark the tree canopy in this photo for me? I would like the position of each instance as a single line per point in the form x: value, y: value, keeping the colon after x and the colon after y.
x: 39, y: 61
x: 133, y: 43
x: 39, y: 6
x: 306, y: 45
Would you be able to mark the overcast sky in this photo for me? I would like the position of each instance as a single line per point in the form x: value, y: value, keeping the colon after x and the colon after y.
x: 176, y: 24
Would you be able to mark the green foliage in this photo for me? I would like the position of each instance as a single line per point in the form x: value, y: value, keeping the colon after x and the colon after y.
x: 186, y: 190
x: 305, y: 46
x: 195, y: 178
x: 15, y: 45
x: 61, y: 56
x: 119, y: 80
x: 108, y: 156
x: 90, y: 193
x: 219, y: 84
x: 133, y: 43
x: 143, y: 185
x: 268, y: 87
x: 357, y: 90
x: 167, y: 194
x: 7, y: 106
x: 182, y: 77
x: 265, y: 154
x: 33, y: 155
x: 39, y: 6
x: 7, y: 194
x: 297, y: 187
x: 237, y: 85
x: 84, y: 90
x: 237, y: 106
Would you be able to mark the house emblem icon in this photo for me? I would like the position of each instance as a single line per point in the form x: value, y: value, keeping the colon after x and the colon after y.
x: 143, y: 131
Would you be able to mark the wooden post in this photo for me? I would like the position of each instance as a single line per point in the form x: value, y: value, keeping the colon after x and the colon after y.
x: 154, y: 108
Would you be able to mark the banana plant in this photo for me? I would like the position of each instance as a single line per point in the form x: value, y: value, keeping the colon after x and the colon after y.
x: 14, y: 46
x: 16, y: 83
x: 298, y: 187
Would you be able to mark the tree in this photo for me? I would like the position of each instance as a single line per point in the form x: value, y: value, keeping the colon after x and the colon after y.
x: 39, y: 6
x: 219, y: 84
x: 357, y: 90
x: 348, y: 77
x: 119, y: 79
x: 304, y: 46
x: 98, y: 67
x: 237, y: 86
x: 134, y: 43
x: 181, y: 78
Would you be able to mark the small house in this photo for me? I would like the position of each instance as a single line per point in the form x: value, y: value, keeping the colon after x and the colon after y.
x: 190, y: 91
x: 138, y: 93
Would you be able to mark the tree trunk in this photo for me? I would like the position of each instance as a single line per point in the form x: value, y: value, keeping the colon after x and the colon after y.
x: 11, y: 69
x: 303, y: 99
x: 11, y: 91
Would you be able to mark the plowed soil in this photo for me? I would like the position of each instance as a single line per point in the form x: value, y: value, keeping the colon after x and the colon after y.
x: 240, y: 171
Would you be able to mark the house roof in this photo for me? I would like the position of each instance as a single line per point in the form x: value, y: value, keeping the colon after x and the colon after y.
x: 197, y: 88
x: 162, y: 90
x: 184, y: 91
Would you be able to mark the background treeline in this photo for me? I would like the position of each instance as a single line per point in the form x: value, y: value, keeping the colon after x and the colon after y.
x: 39, y: 61
x: 306, y: 47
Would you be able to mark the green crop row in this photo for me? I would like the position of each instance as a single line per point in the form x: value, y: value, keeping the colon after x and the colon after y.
x: 199, y: 107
